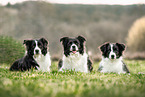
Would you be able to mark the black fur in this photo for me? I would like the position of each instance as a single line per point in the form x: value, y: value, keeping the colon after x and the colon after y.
x: 64, y: 41
x: 90, y: 65
x: 30, y: 45
x: 125, y: 68
x: 60, y: 64
x: 121, y: 48
x: 27, y: 62
x: 105, y: 49
x: 24, y: 64
x: 42, y: 43
x: 82, y: 40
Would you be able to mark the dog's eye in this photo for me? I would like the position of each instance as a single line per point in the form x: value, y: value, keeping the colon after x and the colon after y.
x: 115, y: 49
x: 70, y: 42
x: 75, y: 42
x: 109, y: 49
x: 33, y: 46
x: 40, y: 46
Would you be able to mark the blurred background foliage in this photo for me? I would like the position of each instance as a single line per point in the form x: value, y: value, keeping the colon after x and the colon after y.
x: 10, y: 50
x: 136, y: 36
x: 98, y: 23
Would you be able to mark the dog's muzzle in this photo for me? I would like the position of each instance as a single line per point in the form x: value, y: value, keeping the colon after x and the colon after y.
x: 74, y: 49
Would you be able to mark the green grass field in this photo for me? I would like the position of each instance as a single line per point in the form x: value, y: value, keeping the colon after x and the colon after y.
x: 73, y: 84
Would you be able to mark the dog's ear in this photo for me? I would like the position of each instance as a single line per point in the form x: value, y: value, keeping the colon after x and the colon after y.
x: 64, y: 39
x: 121, y: 46
x: 81, y: 39
x: 26, y: 42
x: 44, y: 41
x: 103, y: 47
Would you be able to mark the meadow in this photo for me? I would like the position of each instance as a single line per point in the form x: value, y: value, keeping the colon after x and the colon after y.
x: 97, y: 23
x: 73, y: 84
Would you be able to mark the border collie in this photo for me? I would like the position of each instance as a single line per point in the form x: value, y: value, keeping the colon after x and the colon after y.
x: 37, y: 56
x: 112, y: 58
x: 75, y: 57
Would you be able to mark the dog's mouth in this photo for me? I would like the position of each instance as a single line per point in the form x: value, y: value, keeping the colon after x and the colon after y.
x: 74, y: 52
x: 112, y: 59
x: 36, y: 55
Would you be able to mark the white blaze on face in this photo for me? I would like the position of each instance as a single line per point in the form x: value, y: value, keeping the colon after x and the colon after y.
x: 72, y: 47
x: 37, y: 49
x: 112, y: 53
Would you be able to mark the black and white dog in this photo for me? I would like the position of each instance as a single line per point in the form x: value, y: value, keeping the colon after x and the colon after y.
x: 36, y: 56
x: 112, y: 58
x: 75, y: 56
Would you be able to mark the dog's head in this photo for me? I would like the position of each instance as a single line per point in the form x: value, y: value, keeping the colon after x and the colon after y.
x: 36, y: 47
x: 112, y: 50
x: 73, y: 45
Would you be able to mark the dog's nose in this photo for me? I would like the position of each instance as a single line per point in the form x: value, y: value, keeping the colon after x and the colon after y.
x: 112, y: 56
x: 37, y: 51
x: 73, y: 48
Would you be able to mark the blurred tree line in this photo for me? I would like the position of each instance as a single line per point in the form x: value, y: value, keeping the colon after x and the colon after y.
x: 98, y: 23
x: 136, y: 36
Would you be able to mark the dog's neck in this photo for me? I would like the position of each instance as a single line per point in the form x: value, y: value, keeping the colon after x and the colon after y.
x: 107, y: 60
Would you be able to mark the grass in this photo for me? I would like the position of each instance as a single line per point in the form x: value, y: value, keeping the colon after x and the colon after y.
x: 72, y: 84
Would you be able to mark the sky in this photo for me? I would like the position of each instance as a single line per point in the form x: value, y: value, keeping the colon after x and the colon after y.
x: 110, y: 2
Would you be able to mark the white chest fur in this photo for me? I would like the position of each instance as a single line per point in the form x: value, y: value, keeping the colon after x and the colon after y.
x: 109, y: 65
x: 75, y: 62
x: 44, y: 62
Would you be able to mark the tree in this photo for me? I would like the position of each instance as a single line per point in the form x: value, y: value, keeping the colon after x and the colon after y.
x: 8, y: 5
x: 136, y: 36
